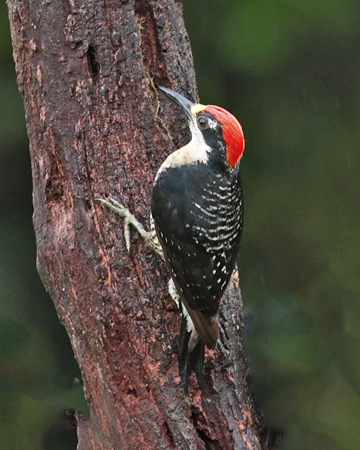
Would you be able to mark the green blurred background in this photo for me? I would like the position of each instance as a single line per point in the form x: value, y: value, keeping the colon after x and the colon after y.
x: 290, y: 71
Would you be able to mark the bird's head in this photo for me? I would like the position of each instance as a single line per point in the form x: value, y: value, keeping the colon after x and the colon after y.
x: 213, y: 126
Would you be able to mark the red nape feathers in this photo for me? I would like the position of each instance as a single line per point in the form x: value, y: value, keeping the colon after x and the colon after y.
x: 232, y: 133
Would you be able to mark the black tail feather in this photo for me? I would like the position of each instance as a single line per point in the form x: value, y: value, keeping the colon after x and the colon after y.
x: 190, y: 360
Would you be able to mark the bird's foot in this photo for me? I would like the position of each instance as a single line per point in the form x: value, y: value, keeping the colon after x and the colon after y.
x: 174, y: 293
x: 129, y: 219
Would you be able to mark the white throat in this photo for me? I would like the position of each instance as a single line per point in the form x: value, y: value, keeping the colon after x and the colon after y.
x: 196, y: 151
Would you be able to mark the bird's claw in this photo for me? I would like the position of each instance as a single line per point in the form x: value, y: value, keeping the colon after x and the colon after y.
x: 174, y: 293
x: 127, y: 234
x: 129, y: 219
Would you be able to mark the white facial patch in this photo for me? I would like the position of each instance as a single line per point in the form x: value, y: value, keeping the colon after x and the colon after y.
x: 196, y: 151
x: 212, y: 124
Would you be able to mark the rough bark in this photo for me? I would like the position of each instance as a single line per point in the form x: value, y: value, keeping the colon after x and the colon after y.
x: 88, y: 73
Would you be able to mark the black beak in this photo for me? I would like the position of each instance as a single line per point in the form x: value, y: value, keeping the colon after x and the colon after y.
x: 183, y: 102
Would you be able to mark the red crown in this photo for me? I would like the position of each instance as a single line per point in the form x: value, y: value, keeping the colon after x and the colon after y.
x: 232, y: 133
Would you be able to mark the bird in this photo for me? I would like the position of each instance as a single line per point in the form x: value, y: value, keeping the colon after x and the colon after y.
x: 196, y: 222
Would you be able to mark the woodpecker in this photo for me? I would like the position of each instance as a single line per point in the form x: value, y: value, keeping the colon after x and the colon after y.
x: 196, y: 224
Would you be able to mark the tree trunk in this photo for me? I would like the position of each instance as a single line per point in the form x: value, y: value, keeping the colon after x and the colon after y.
x: 88, y: 73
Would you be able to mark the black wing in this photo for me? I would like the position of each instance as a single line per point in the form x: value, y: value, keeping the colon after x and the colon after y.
x: 198, y: 220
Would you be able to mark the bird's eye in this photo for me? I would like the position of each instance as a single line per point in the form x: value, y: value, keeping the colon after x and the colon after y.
x: 203, y: 122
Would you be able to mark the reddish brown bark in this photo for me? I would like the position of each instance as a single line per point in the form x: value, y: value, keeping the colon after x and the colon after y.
x: 88, y: 73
